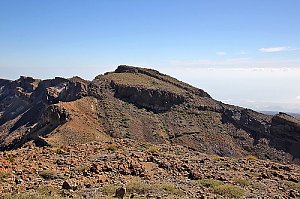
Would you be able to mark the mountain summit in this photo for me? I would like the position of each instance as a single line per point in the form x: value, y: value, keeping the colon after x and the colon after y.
x: 139, y: 104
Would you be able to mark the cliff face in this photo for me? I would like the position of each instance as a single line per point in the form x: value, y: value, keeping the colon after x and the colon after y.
x: 26, y: 102
x: 144, y: 105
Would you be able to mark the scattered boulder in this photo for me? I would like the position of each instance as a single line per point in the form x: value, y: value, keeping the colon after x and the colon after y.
x: 69, y: 185
x: 120, y: 192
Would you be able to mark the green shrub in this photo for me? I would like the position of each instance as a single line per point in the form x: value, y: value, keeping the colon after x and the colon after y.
x: 153, y: 149
x: 229, y: 191
x: 215, y: 158
x: 171, y: 189
x: 241, y: 181
x: 139, y: 187
x: 109, y: 189
x: 47, y: 190
x: 251, y: 157
x: 112, y: 148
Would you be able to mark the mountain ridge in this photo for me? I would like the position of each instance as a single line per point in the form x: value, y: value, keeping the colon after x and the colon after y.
x: 140, y: 104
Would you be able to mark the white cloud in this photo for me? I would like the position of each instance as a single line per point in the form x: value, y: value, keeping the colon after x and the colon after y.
x: 221, y: 53
x: 277, y: 49
x: 298, y: 97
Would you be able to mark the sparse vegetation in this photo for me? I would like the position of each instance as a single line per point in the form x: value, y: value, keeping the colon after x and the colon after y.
x: 144, y: 146
x: 215, y: 158
x: 3, y: 175
x: 30, y: 195
x: 112, y: 148
x: 138, y: 186
x: 108, y: 189
x: 251, y: 157
x: 229, y: 191
x: 259, y: 185
x: 10, y: 158
x: 47, y: 191
x: 153, y: 149
x: 171, y: 189
x: 219, y: 187
x: 135, y: 79
x: 153, y: 134
x: 254, y: 174
x: 241, y: 181
x: 59, y: 151
x: 293, y: 185
x: 79, y: 169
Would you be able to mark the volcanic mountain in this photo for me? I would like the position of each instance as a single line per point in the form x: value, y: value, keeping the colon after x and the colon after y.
x: 139, y: 104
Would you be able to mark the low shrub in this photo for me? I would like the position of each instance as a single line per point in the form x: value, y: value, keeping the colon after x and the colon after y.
x: 112, y: 148
x: 241, y: 181
x: 251, y: 157
x: 171, y: 189
x: 229, y: 191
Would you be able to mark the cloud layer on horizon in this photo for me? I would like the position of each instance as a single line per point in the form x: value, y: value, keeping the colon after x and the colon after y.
x: 277, y: 49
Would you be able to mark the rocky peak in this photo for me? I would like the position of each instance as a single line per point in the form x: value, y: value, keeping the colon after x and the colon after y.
x: 163, y: 77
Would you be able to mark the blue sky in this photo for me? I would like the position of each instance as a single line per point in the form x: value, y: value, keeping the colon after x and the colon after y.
x: 243, y: 52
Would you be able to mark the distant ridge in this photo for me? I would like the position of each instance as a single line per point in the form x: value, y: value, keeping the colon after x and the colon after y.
x: 297, y: 115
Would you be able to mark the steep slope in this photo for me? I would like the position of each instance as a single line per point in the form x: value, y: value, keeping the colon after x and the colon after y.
x: 29, y: 109
x: 144, y: 105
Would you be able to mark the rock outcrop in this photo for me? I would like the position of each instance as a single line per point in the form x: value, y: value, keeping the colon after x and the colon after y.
x: 26, y: 102
x: 151, y: 99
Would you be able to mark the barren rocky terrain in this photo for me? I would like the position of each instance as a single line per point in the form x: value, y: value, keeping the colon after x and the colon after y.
x: 97, y: 169
x: 148, y: 132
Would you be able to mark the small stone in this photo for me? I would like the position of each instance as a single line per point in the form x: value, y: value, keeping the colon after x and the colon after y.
x: 18, y: 181
x: 66, y: 185
x: 94, y: 169
x: 120, y: 192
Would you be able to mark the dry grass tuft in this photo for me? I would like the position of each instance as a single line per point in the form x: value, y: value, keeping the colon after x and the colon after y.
x: 229, y: 191
x: 241, y: 181
x: 251, y: 157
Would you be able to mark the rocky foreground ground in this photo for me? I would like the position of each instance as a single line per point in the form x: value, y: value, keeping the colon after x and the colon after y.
x: 96, y: 170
